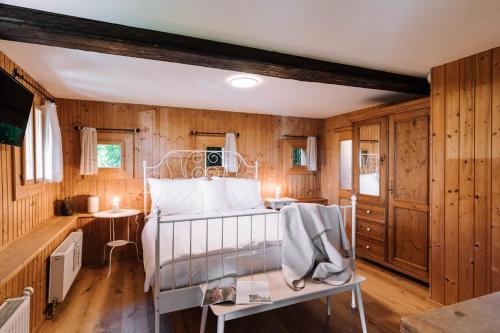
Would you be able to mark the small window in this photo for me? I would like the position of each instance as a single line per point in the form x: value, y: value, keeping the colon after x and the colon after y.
x: 109, y: 155
x: 33, y: 148
x: 298, y: 157
x: 346, y: 164
x: 38, y: 145
x: 214, y: 156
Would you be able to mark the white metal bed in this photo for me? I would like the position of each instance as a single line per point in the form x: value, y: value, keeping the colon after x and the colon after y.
x: 187, y: 164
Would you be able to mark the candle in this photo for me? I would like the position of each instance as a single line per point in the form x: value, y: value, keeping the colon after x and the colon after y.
x: 277, y: 192
x: 93, y: 204
x: 116, y: 204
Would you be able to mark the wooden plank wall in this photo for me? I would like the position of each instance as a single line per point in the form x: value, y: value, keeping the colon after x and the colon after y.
x: 465, y: 195
x: 167, y: 128
x: 20, y: 216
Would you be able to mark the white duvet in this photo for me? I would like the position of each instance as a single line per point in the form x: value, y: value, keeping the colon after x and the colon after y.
x: 192, y: 269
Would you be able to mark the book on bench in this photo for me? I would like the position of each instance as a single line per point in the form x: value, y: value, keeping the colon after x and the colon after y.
x: 231, y: 290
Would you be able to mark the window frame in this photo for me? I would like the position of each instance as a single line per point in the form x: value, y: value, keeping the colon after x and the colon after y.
x: 288, y: 146
x: 24, y: 187
x: 126, y: 140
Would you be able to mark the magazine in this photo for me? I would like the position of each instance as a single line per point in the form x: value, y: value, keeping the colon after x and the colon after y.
x: 237, y: 292
x: 253, y: 292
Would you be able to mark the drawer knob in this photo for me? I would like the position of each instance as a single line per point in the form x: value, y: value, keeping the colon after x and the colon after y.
x: 368, y: 211
x: 368, y: 229
x: 367, y: 247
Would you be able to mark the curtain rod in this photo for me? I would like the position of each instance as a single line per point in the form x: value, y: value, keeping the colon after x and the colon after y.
x: 195, y: 133
x: 17, y: 76
x: 134, y: 130
x: 369, y: 141
x: 287, y: 136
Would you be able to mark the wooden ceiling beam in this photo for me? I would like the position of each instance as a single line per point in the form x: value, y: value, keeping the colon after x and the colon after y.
x: 38, y: 27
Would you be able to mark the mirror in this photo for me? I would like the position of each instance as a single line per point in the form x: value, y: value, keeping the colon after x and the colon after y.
x: 369, y: 159
x: 298, y: 157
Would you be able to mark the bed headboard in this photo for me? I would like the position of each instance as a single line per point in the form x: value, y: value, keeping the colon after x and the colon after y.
x: 188, y: 164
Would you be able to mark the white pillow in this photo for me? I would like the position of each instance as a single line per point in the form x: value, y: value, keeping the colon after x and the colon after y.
x: 178, y: 196
x: 243, y: 193
x: 215, y: 195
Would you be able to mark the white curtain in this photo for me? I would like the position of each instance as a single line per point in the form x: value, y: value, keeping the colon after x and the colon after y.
x: 230, y: 160
x: 88, y: 159
x: 312, y: 153
x: 52, y: 144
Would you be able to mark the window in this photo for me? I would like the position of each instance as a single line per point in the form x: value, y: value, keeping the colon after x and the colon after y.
x: 115, y: 155
x: 298, y: 157
x: 214, y: 159
x: 346, y: 164
x: 295, y: 157
x: 33, y: 148
x: 109, y: 155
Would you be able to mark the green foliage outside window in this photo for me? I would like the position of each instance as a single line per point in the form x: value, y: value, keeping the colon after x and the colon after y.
x: 297, y: 156
x: 109, y: 156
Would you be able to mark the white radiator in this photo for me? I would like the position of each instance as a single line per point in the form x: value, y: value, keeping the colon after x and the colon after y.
x: 15, y: 313
x: 65, y: 263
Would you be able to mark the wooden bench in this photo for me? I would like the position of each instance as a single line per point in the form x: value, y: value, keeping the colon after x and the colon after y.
x: 478, y: 315
x: 282, y: 295
x: 15, y: 256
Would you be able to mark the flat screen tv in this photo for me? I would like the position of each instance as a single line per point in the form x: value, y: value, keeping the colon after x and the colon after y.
x: 15, y: 108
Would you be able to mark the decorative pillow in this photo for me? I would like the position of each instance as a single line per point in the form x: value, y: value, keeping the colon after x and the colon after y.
x: 177, y: 196
x: 243, y: 193
x: 215, y: 195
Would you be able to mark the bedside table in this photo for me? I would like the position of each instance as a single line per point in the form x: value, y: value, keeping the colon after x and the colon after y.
x: 277, y: 204
x: 113, y: 242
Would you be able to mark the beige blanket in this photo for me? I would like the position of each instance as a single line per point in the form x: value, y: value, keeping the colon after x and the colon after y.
x: 314, y: 238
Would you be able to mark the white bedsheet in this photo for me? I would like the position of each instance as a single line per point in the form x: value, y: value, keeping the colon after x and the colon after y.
x: 176, y: 236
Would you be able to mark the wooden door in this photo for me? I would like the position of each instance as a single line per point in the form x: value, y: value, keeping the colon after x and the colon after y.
x: 408, y: 195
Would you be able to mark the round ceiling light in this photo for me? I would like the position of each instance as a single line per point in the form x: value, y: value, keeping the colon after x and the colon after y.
x: 243, y: 82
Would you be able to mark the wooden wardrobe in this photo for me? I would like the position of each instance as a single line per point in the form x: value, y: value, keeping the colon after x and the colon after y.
x: 391, y: 181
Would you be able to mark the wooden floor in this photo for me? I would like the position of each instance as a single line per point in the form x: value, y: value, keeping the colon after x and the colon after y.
x: 119, y: 304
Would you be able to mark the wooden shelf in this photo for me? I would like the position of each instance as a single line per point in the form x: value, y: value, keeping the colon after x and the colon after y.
x: 15, y: 256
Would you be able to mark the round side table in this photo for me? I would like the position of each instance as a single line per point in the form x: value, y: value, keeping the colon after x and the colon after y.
x: 113, y: 242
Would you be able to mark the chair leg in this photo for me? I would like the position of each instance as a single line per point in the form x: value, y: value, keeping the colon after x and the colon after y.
x: 329, y: 306
x: 203, y: 319
x: 220, y: 324
x: 353, y: 299
x: 361, y: 308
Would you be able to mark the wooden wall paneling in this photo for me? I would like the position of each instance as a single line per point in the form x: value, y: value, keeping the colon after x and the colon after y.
x: 466, y: 179
x: 482, y: 170
x: 167, y: 128
x: 478, y: 180
x: 20, y: 216
x: 495, y: 172
x: 451, y: 181
x: 438, y: 103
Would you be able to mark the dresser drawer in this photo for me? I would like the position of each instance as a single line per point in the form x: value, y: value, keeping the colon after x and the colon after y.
x: 369, y: 248
x: 375, y: 231
x: 371, y: 212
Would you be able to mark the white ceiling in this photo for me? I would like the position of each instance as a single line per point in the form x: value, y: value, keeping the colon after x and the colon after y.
x: 404, y: 36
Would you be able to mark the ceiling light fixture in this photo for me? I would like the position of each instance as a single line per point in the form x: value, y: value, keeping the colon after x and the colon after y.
x: 243, y: 81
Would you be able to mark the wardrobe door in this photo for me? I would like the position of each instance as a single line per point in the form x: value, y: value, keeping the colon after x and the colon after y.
x: 408, y: 195
x: 370, y: 149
